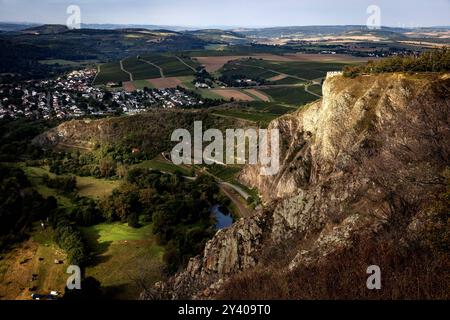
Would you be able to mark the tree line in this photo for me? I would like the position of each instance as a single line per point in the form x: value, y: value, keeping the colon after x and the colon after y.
x: 429, y: 61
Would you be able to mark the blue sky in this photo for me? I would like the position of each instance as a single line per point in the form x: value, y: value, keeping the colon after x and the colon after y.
x: 233, y: 13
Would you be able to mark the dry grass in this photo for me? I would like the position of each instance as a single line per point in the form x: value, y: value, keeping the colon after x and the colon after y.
x: 258, y: 94
x: 409, y: 273
x: 34, y: 256
x: 129, y: 86
x: 228, y: 94
x: 163, y: 83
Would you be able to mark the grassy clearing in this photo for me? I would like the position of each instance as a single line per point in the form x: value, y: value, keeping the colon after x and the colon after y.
x: 257, y: 111
x: 250, y: 115
x: 34, y: 256
x: 111, y: 232
x: 208, y: 94
x: 141, y: 84
x: 123, y: 255
x: 96, y: 188
x: 87, y: 186
x: 162, y: 165
x: 187, y: 82
x: 225, y: 173
x: 35, y: 175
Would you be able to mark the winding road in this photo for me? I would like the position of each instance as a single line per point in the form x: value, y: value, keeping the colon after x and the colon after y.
x: 235, y: 193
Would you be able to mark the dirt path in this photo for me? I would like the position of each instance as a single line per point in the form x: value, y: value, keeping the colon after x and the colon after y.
x: 161, y: 71
x: 123, y: 69
x: 182, y: 61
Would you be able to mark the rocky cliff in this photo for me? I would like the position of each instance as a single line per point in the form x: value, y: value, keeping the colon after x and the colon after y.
x: 368, y: 159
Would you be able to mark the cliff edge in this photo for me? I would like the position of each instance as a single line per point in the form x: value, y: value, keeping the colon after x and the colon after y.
x: 368, y: 161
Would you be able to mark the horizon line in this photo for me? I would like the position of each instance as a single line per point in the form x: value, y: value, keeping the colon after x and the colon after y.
x: 225, y: 26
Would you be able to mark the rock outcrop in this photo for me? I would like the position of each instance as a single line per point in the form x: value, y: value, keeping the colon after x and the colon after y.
x: 370, y: 155
x: 150, y: 131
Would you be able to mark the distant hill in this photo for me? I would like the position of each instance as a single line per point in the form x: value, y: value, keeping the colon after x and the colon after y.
x: 219, y: 36
x: 312, y: 30
x: 8, y: 27
x: 46, y: 29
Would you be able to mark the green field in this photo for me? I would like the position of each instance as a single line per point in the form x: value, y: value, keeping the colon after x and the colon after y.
x: 140, y: 69
x: 96, y: 188
x: 294, y: 96
x: 224, y: 173
x: 305, y: 70
x: 258, y: 117
x: 141, y: 84
x: 171, y: 66
x: 239, y: 68
x: 34, y: 174
x: 187, y: 82
x: 289, y: 81
x: 208, y: 94
x: 122, y: 256
x: 259, y: 112
x: 86, y: 186
x: 111, y: 72
x: 162, y: 165
x: 317, y: 89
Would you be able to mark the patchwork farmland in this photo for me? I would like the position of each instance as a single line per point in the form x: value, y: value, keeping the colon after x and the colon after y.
x: 290, y: 80
x: 278, y: 71
x: 111, y: 72
x: 146, y: 67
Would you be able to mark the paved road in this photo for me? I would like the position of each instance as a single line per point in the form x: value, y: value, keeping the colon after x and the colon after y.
x: 229, y: 189
x: 236, y: 188
x: 244, y: 211
x: 123, y: 69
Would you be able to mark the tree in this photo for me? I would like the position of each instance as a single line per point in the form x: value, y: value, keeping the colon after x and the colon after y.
x: 107, y: 168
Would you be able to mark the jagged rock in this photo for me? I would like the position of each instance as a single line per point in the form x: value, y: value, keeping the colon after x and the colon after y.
x: 372, y: 151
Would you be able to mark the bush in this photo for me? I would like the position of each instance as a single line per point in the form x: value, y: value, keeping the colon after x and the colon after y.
x: 65, y: 184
